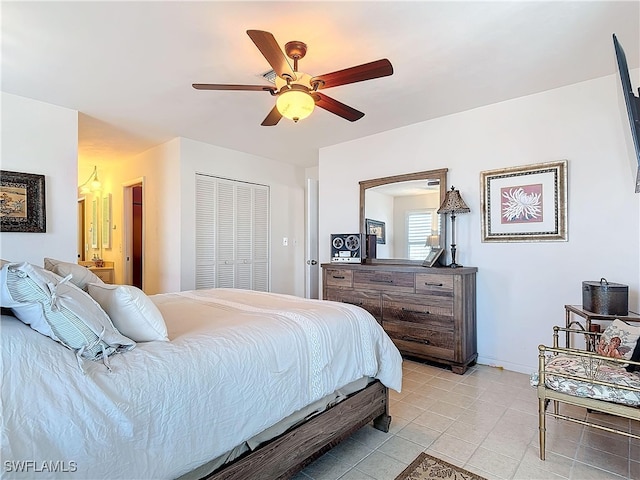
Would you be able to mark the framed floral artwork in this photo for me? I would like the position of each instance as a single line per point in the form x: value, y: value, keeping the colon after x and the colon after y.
x: 525, y: 204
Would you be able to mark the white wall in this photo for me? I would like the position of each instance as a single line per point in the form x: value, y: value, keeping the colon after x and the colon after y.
x: 287, y: 188
x: 521, y: 287
x: 43, y: 139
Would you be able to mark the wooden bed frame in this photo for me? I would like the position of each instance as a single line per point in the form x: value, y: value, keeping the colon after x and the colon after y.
x: 289, y: 453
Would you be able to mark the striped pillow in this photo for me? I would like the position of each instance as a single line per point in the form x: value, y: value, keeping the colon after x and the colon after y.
x: 60, y: 310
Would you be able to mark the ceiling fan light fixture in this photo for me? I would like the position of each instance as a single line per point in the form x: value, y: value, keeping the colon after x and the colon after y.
x: 295, y: 104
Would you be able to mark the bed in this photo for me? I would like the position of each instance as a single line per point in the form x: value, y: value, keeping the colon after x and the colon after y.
x: 248, y: 385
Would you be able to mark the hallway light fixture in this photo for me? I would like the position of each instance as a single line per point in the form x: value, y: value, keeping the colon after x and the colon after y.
x: 92, y: 184
x: 453, y: 204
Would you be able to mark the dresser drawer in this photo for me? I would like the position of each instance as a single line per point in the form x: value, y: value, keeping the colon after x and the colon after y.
x: 370, y: 301
x: 419, y: 339
x: 418, y: 308
x: 431, y: 283
x: 381, y: 280
x: 104, y: 274
x: 339, y: 277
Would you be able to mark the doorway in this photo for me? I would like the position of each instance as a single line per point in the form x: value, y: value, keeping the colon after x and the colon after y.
x: 133, y: 205
x: 81, y: 231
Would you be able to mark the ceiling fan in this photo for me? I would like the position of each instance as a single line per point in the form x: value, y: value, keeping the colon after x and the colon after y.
x: 297, y: 91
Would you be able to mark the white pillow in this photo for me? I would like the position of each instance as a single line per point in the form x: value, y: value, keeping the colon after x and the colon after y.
x: 131, y: 311
x: 80, y: 276
x: 60, y: 310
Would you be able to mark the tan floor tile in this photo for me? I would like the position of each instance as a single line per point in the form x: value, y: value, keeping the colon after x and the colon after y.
x: 581, y: 471
x: 495, y: 463
x: 606, y: 441
x: 371, y: 437
x: 355, y: 474
x: 421, y: 401
x: 405, y: 410
x: 381, y: 466
x: 442, y: 383
x: 607, y: 461
x: 471, y: 433
x: 327, y: 467
x: 415, y: 376
x: 397, y: 424
x: 447, y: 410
x: 401, y: 449
x: 434, y: 421
x: 506, y: 446
x: 419, y: 434
x: 453, y: 447
x: 529, y: 472
x: 351, y: 451
x: 468, y: 390
x: 557, y: 464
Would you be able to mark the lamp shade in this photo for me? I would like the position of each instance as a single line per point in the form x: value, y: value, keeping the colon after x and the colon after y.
x: 295, y: 104
x: 453, y: 203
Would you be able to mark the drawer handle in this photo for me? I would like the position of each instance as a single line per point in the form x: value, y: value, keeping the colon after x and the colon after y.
x: 411, y: 339
x: 408, y: 310
x: 381, y: 281
x: 337, y: 277
x: 433, y: 284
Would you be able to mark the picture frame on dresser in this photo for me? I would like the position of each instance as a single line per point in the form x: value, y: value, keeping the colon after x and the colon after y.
x: 377, y: 228
x: 527, y: 203
x: 22, y: 202
x: 433, y: 256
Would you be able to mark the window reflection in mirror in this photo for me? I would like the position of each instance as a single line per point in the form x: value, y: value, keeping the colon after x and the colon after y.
x: 407, y: 207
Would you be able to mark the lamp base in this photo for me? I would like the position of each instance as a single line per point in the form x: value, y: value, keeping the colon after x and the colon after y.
x: 454, y: 265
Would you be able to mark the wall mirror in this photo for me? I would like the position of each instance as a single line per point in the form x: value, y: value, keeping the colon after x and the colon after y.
x: 401, y: 212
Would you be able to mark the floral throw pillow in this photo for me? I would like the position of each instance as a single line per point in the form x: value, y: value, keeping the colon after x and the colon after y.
x: 618, y: 340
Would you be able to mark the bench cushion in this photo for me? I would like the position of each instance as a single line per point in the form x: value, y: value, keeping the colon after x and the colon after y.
x: 587, y: 368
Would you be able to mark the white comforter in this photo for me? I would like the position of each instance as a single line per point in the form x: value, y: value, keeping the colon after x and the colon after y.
x: 238, y: 362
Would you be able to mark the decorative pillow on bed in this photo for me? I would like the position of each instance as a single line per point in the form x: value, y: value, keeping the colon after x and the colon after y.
x: 131, y: 311
x: 80, y: 276
x: 60, y: 310
x: 618, y: 340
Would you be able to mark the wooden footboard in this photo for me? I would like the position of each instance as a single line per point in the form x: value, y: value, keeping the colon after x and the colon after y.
x: 289, y: 453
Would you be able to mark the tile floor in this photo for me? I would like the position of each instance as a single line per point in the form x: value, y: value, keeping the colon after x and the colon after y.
x: 485, y: 421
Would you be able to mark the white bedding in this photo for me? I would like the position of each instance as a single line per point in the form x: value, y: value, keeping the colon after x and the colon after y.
x: 237, y: 362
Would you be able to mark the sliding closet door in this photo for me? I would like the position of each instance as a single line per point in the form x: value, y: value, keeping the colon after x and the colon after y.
x: 232, y: 234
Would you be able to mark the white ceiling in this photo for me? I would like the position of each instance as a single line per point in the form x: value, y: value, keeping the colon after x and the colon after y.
x: 127, y: 67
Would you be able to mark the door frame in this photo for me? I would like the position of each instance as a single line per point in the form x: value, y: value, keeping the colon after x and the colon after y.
x: 127, y: 231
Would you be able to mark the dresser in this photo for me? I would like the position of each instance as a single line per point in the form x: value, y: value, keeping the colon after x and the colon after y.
x: 429, y: 313
x: 104, y: 273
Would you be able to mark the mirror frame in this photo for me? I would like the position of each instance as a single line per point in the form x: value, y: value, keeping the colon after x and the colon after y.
x: 440, y: 174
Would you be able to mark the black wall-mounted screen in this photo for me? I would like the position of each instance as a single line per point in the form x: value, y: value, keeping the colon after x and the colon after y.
x: 631, y: 101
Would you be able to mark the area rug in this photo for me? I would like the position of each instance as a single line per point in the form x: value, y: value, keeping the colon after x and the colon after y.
x: 426, y: 467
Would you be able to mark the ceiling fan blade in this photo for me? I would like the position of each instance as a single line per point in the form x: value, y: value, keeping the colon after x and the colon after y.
x: 339, y: 108
x: 268, y: 46
x: 366, y: 71
x: 222, y: 86
x: 272, y: 119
